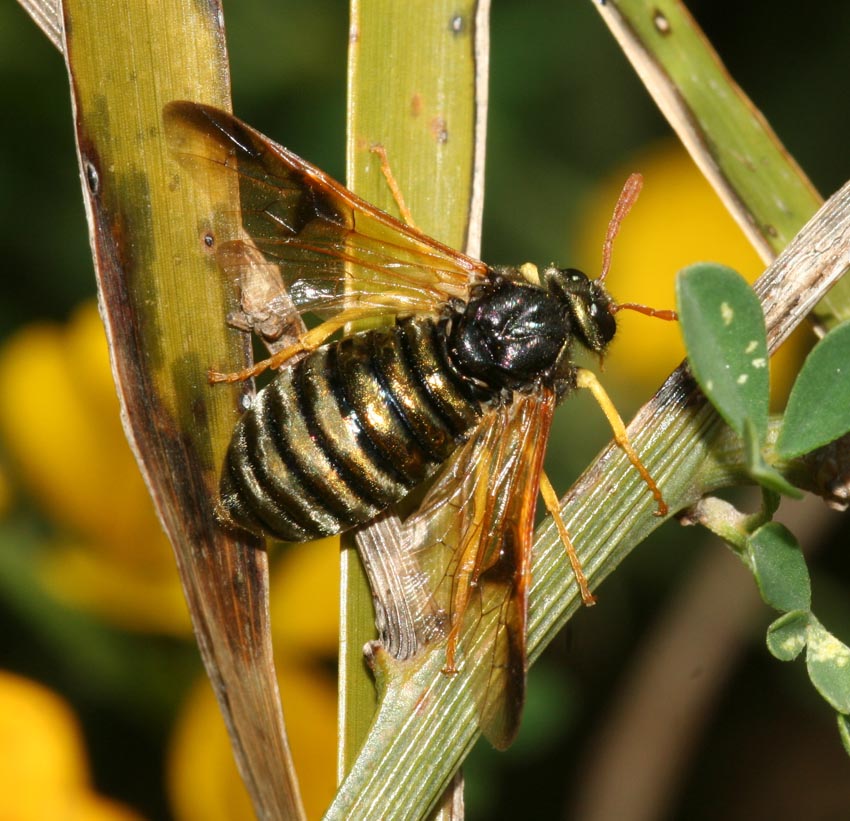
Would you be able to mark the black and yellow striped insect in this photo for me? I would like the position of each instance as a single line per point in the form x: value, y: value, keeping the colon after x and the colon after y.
x: 460, y: 388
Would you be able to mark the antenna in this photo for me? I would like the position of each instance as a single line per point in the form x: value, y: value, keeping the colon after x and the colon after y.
x: 627, y: 199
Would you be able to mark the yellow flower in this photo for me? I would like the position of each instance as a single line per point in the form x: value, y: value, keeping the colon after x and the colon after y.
x: 60, y: 425
x: 44, y: 774
x: 678, y: 220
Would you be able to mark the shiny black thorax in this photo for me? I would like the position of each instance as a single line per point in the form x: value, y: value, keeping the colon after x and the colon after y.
x: 517, y: 335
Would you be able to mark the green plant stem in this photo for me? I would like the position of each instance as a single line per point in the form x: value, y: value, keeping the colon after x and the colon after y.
x: 412, y: 89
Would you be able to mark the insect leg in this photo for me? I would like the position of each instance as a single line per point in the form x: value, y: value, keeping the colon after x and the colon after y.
x: 587, y: 379
x: 550, y: 500
x: 310, y: 341
x: 392, y: 183
x: 467, y: 569
x: 463, y: 586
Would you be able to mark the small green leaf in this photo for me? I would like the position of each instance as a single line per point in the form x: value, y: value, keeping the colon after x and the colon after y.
x: 818, y: 409
x: 723, y: 327
x: 828, y: 662
x: 768, y: 477
x: 779, y: 568
x: 772, y: 479
x: 844, y: 730
x: 786, y: 637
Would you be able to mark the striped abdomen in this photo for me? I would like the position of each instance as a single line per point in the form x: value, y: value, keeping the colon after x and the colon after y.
x: 345, y: 432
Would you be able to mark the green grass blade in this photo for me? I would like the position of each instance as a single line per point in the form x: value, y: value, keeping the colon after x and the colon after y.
x: 415, y: 89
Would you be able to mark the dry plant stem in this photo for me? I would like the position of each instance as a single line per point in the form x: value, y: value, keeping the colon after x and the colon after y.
x: 399, y: 588
x: 452, y: 807
x: 809, y: 266
x: 481, y: 63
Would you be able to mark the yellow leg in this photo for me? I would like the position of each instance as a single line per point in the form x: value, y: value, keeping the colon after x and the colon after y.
x: 550, y: 500
x: 309, y: 342
x: 395, y: 190
x: 587, y: 379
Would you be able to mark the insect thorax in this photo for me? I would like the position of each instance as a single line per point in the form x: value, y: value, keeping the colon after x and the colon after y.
x: 511, y: 335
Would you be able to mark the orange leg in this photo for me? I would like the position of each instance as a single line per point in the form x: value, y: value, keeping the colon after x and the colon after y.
x: 309, y: 342
x: 464, y: 574
x: 466, y: 571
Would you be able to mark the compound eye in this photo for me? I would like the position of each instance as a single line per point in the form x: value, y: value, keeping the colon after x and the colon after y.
x: 604, y: 321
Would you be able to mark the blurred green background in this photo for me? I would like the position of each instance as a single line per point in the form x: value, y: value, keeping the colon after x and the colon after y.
x: 567, y: 116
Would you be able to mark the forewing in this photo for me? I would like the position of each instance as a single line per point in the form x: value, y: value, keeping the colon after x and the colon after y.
x: 473, y: 533
x: 335, y: 250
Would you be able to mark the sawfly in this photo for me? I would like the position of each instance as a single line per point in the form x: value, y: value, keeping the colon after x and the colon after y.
x: 458, y: 386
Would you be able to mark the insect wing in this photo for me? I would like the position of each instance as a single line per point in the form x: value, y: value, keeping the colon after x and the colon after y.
x: 474, y: 534
x: 406, y: 614
x: 334, y: 249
